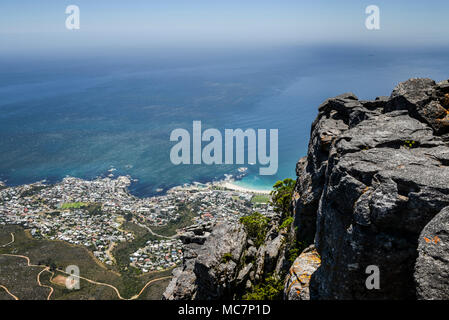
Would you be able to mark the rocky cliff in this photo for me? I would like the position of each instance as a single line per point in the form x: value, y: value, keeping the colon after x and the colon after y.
x: 228, y: 263
x: 373, y: 190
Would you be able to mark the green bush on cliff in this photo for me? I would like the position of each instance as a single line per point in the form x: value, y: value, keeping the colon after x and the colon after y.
x: 270, y: 289
x: 226, y: 257
x: 295, y: 250
x: 286, y: 223
x: 256, y: 226
x: 281, y: 196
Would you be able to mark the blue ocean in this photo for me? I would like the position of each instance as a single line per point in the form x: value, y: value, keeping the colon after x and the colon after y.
x: 82, y: 114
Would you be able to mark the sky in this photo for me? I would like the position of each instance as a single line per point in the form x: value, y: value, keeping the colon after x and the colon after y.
x: 40, y: 25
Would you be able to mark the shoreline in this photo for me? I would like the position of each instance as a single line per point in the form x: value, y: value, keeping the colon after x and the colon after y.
x: 232, y: 186
x: 225, y: 183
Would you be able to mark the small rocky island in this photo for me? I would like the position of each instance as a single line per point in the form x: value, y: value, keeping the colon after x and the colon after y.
x: 373, y: 190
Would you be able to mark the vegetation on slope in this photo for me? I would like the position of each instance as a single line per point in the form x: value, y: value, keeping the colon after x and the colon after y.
x: 256, y: 226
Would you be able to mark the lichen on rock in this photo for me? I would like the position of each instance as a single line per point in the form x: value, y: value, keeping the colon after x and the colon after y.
x: 368, y: 191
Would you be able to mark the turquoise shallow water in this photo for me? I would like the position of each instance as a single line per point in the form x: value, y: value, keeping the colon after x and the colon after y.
x: 82, y: 115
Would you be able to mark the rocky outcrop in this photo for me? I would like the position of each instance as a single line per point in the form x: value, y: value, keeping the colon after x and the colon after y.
x: 196, y: 233
x: 432, y: 265
x: 376, y: 173
x: 424, y: 100
x: 227, y: 264
x: 209, y: 269
x: 371, y: 194
x: 298, y: 280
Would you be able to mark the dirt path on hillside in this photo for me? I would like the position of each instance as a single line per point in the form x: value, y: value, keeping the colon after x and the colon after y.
x: 8, y: 292
x: 47, y: 269
x: 34, y: 266
x: 12, y: 240
x: 114, y: 288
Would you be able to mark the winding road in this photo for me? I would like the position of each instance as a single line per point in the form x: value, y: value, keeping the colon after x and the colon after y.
x: 114, y: 288
x: 2, y: 286
x: 47, y: 269
x: 38, y: 275
x: 8, y: 292
x: 44, y: 285
x: 12, y: 240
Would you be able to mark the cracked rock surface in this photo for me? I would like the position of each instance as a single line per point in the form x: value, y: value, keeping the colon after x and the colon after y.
x: 372, y: 190
x: 227, y: 263
x: 376, y: 175
x: 432, y: 265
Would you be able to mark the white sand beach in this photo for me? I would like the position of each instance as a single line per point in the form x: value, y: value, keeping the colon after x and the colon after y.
x: 232, y: 186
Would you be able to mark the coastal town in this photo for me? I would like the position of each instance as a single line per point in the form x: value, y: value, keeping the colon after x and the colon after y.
x: 157, y: 255
x: 92, y: 214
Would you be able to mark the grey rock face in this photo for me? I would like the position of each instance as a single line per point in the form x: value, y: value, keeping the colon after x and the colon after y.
x: 424, y: 100
x: 268, y: 255
x: 190, y: 237
x: 432, y: 265
x: 206, y: 273
x: 196, y: 234
x: 244, y: 274
x: 372, y: 190
x: 298, y: 280
x: 311, y: 170
x: 251, y: 252
x: 375, y: 174
x: 226, y: 264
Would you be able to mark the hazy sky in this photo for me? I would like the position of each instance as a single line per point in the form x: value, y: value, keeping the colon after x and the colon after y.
x: 40, y: 24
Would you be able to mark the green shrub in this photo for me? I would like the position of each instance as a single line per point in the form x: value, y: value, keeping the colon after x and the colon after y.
x: 281, y: 196
x: 286, y: 223
x: 226, y: 257
x: 256, y: 226
x: 295, y: 250
x: 270, y: 289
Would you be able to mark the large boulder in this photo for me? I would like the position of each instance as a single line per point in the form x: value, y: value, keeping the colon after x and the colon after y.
x: 375, y: 174
x: 371, y: 192
x: 298, y: 279
x: 208, y: 270
x: 270, y: 253
x: 432, y: 265
x: 227, y: 264
x: 330, y: 123
x: 424, y: 100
